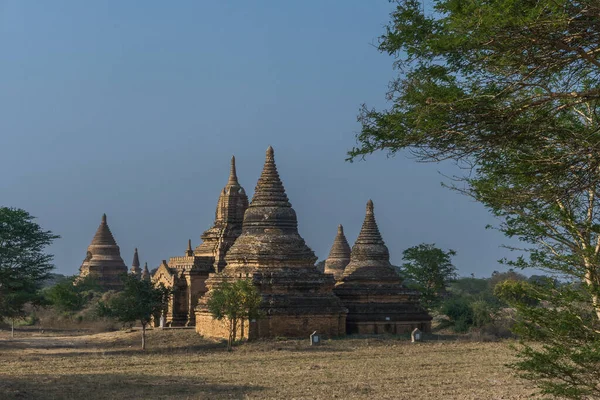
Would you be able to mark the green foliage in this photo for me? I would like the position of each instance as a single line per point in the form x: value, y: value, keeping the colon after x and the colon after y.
x: 23, y: 264
x: 511, y: 91
x: 139, y: 301
x: 562, y: 318
x: 429, y: 270
x: 73, y: 294
x: 460, y: 312
x: 235, y: 301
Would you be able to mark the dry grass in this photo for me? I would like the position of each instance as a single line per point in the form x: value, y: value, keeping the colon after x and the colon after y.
x: 181, y: 365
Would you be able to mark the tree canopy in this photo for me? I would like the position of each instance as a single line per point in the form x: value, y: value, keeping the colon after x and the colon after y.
x: 24, y: 265
x: 235, y: 302
x: 428, y: 269
x: 510, y: 91
x: 139, y: 301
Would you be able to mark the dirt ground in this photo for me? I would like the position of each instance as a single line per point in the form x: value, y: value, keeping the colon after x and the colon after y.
x: 179, y: 364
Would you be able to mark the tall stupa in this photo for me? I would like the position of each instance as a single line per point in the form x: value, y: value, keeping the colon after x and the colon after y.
x: 297, y: 299
x: 372, y: 290
x: 103, y: 259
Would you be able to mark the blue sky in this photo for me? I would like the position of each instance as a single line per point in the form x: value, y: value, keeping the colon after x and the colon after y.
x: 135, y: 108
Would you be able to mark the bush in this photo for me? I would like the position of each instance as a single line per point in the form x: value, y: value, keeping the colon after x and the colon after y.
x: 460, y: 313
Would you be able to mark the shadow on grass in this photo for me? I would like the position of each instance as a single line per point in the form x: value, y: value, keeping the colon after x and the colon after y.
x: 117, y: 386
x: 77, y: 346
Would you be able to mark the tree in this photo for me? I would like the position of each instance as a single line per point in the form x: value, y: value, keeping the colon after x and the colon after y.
x: 499, y: 277
x: 235, y: 301
x: 510, y: 91
x: 23, y: 264
x: 65, y: 296
x: 429, y: 270
x: 139, y: 301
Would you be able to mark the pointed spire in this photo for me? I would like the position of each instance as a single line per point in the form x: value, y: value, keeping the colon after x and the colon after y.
x: 233, y: 179
x: 103, y: 234
x: 189, y: 252
x: 339, y: 255
x: 340, y: 248
x: 269, y: 189
x: 370, y: 257
x: 146, y: 273
x: 369, y: 233
x: 136, y: 259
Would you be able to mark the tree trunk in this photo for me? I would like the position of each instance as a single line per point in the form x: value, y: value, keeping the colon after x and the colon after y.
x: 242, y: 329
x: 234, y: 331
x: 592, y: 281
x: 143, y: 336
x: 12, y: 328
x: 230, y: 339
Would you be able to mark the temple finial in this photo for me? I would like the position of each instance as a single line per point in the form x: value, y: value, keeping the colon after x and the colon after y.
x: 103, y: 218
x: 340, y: 229
x: 146, y: 273
x: 136, y: 259
x: 370, y: 206
x: 233, y: 180
x: 189, y: 252
x: 269, y: 191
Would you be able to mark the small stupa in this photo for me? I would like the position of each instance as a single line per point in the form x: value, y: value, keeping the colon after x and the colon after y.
x: 135, y: 265
x: 372, y: 290
x: 103, y: 259
x: 146, y: 273
x: 339, y: 256
x: 229, y: 216
x: 297, y: 299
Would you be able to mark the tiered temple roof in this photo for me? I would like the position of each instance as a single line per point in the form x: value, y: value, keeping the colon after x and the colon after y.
x: 186, y: 275
x: 229, y: 217
x: 297, y: 299
x: 103, y: 259
x: 339, y: 256
x: 372, y: 290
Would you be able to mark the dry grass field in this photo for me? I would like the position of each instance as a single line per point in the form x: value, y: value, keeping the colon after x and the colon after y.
x: 181, y: 365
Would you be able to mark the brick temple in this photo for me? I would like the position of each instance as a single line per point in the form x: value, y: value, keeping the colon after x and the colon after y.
x: 372, y: 290
x: 186, y: 275
x: 359, y: 291
x: 297, y: 299
x: 103, y: 259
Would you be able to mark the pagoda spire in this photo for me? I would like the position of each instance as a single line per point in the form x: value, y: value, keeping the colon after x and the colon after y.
x: 370, y: 257
x: 369, y: 233
x: 233, y: 179
x: 136, y: 259
x: 189, y: 252
x: 103, y: 234
x: 339, y: 255
x: 135, y: 265
x: 269, y: 190
x: 146, y: 273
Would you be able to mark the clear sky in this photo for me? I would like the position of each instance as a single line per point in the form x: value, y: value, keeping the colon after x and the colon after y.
x: 134, y: 109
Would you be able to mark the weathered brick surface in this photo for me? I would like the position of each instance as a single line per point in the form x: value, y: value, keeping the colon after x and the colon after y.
x: 339, y: 255
x: 103, y: 259
x: 297, y: 299
x: 275, y: 326
x: 371, y: 289
x: 186, y: 275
